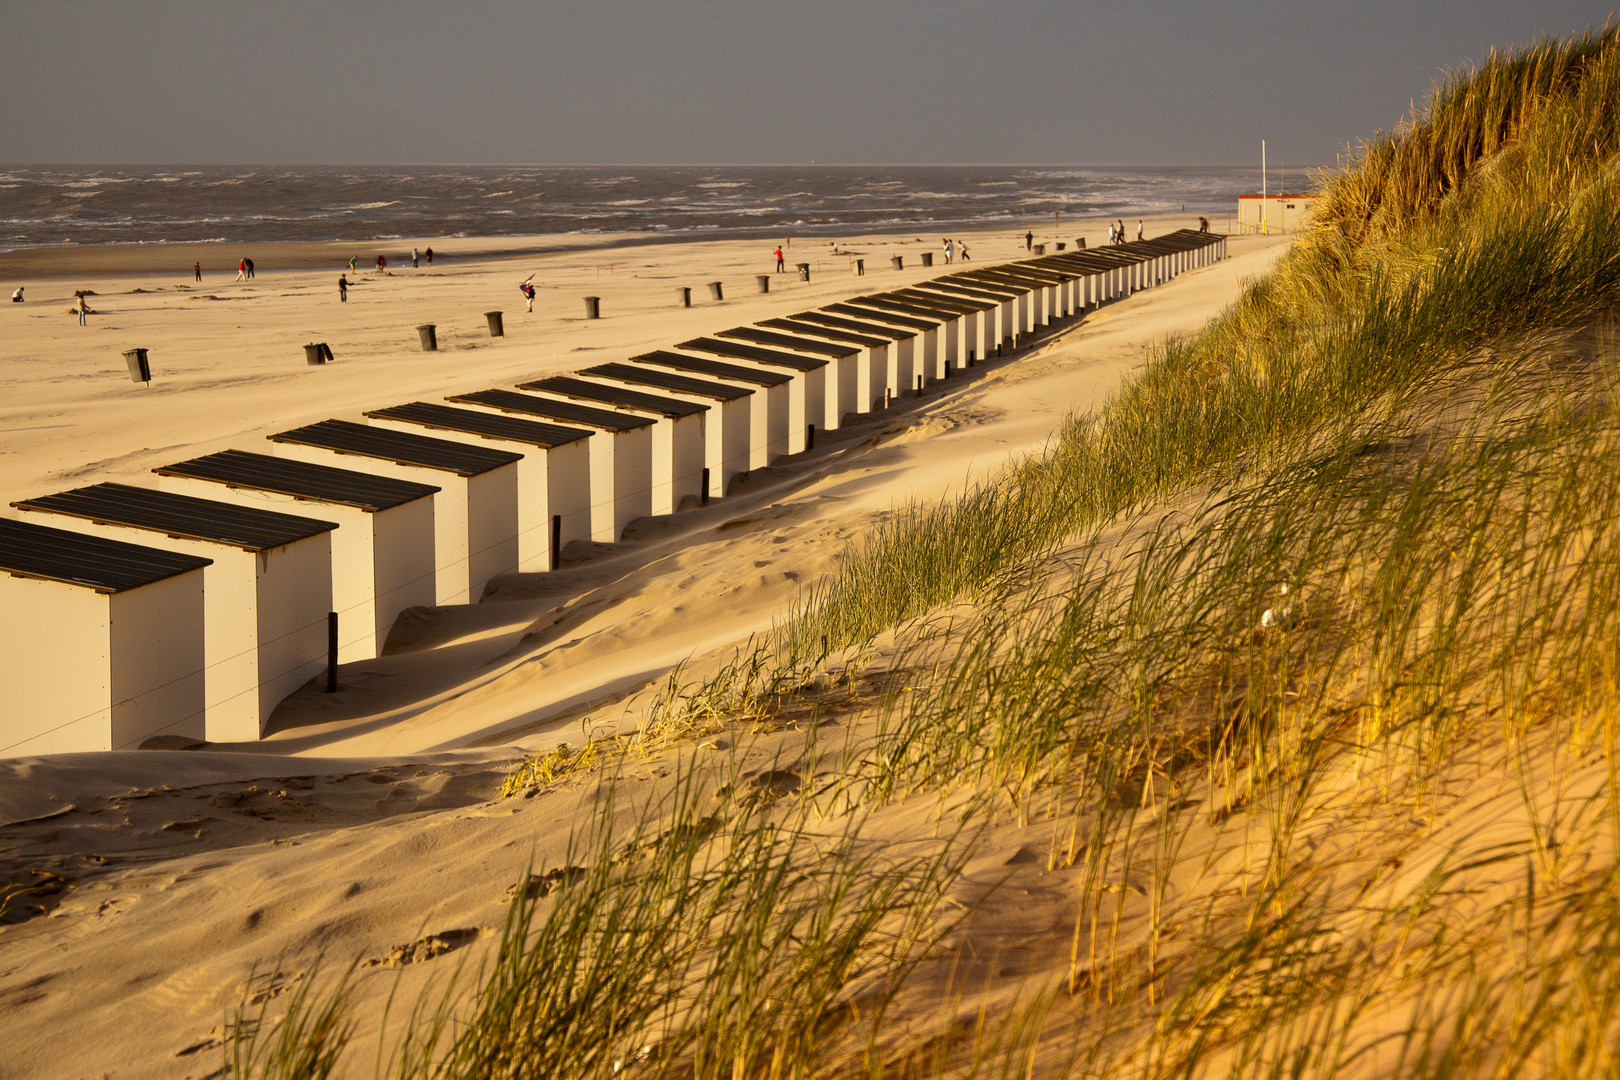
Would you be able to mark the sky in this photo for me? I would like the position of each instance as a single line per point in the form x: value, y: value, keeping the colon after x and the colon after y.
x: 731, y: 81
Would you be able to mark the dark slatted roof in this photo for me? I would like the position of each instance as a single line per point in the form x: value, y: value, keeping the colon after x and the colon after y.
x: 471, y: 422
x: 668, y: 380
x: 738, y: 351
x: 107, y: 566
x: 173, y: 514
x: 920, y: 308
x: 300, y: 479
x: 568, y: 412
x: 887, y: 312
x: 797, y: 326
x: 704, y: 366
x: 863, y: 324
x: 939, y: 300
x: 400, y: 447
x: 673, y: 408
x: 788, y: 341
x: 983, y: 290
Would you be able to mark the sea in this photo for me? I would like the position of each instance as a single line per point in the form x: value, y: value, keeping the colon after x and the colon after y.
x: 105, y: 204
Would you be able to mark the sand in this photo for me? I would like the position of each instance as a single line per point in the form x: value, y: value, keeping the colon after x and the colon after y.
x: 365, y: 820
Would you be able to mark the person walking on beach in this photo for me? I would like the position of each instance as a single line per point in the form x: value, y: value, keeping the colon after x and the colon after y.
x: 241, y: 270
x: 964, y: 251
x: 950, y: 250
x: 343, y: 288
x: 382, y: 264
x: 430, y: 256
x: 1029, y: 241
x: 1121, y: 232
x: 196, y: 268
x: 83, y: 307
x: 780, y: 265
x: 249, y: 263
x: 1203, y: 224
x: 414, y: 263
x: 1110, y: 232
x: 526, y: 287
x: 1138, y: 230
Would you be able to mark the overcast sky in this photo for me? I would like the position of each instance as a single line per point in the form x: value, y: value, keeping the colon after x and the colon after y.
x: 733, y: 81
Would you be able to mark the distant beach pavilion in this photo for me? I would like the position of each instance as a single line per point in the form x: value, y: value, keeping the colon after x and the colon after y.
x: 1273, y: 213
x: 102, y: 644
x: 267, y: 588
x: 382, y: 550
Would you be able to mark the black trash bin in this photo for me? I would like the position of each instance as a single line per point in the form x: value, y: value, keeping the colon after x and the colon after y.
x: 804, y: 271
x: 715, y: 292
x: 429, y: 333
x: 496, y: 329
x: 593, y: 307
x: 683, y: 295
x: 326, y: 352
x: 1040, y: 249
x: 139, y: 370
x: 898, y: 262
x: 928, y: 258
x: 312, y: 355
x: 860, y: 267
x: 764, y: 281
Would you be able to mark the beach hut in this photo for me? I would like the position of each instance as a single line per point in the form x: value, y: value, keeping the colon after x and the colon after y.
x: 807, y: 393
x: 726, y: 427
x: 903, y: 367
x: 475, y: 512
x: 382, y: 550
x: 267, y: 588
x: 554, y: 477
x: 905, y: 343
x: 102, y: 644
x: 767, y: 420
x: 841, y: 375
x: 994, y: 322
x: 948, y: 319
x: 970, y: 312
x: 621, y: 475
x: 678, y: 432
x: 871, y: 356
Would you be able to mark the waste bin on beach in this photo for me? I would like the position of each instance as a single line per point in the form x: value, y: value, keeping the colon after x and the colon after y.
x: 139, y: 370
x: 593, y: 307
x: 429, y: 333
x: 804, y: 271
x: 928, y: 258
x: 715, y: 292
x: 496, y: 328
x: 898, y: 262
x: 764, y: 281
x: 312, y: 355
x: 683, y: 295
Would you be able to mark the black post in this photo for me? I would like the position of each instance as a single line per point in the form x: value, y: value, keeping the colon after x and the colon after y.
x: 705, y: 487
x: 810, y: 438
x: 556, y: 541
x: 331, y: 652
x: 919, y: 385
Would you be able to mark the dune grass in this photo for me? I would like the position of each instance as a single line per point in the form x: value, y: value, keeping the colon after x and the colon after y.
x: 1305, y: 648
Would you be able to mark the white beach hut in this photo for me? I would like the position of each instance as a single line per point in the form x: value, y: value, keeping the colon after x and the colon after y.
x: 767, y: 419
x: 840, y: 377
x: 871, y: 355
x: 621, y: 473
x: 101, y: 647
x: 382, y: 551
x: 726, y: 427
x: 905, y: 344
x: 678, y: 433
x: 807, y: 393
x: 475, y: 513
x: 554, y: 477
x: 267, y: 589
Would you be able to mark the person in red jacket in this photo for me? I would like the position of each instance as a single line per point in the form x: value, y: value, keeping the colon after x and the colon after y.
x: 780, y: 265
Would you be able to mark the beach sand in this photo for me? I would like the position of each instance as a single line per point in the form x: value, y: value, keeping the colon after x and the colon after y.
x: 365, y: 819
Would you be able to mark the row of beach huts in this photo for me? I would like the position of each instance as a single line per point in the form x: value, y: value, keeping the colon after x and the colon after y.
x: 192, y: 607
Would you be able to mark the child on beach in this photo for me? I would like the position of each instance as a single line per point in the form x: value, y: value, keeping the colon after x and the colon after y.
x: 354, y: 261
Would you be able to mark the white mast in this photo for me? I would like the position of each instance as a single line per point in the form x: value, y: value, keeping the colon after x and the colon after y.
x: 1263, y: 199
